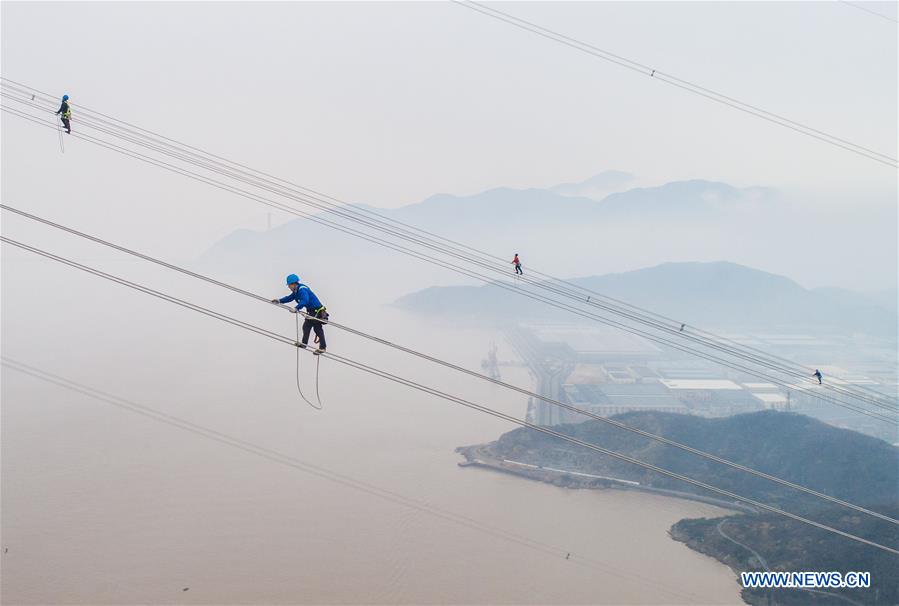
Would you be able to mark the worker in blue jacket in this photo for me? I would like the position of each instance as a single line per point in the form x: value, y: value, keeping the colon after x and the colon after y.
x: 317, y: 314
x: 65, y: 112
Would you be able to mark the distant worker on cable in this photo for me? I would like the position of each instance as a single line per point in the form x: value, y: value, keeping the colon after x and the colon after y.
x: 817, y: 375
x: 317, y: 314
x: 66, y: 113
x: 517, y: 265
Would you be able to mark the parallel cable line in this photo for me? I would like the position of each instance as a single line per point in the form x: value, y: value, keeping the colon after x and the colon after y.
x: 860, y: 6
x: 679, y: 83
x: 464, y: 271
x: 669, y: 324
x: 446, y: 396
x: 668, y: 329
x: 461, y: 369
x: 535, y: 296
x: 149, y: 291
x: 605, y: 451
x: 748, y: 353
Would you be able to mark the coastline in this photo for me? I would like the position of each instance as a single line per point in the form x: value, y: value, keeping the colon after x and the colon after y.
x: 479, y: 455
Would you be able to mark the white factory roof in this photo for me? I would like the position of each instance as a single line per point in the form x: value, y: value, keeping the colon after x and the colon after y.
x: 770, y: 398
x: 751, y: 386
x: 700, y: 384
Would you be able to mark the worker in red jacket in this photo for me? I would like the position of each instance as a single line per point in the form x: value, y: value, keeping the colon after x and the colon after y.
x: 517, y: 265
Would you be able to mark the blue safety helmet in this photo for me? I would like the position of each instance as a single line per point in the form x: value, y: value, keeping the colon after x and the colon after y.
x: 293, y: 279
x: 65, y: 97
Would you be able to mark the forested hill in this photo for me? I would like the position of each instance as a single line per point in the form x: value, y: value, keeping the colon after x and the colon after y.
x: 788, y: 545
x: 837, y: 462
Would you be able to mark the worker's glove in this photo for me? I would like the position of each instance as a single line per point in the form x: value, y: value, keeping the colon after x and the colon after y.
x: 275, y: 301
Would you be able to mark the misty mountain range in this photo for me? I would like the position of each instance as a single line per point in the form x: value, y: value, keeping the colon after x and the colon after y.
x: 598, y: 186
x: 493, y: 213
x: 592, y: 228
x: 724, y: 295
x: 504, y: 208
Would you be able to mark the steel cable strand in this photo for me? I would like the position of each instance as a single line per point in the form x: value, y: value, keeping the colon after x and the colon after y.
x: 409, y: 252
x: 574, y: 409
x: 679, y: 83
x: 803, y: 376
x: 395, y: 378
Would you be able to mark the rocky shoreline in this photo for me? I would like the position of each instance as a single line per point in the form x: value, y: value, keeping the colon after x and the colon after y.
x: 481, y: 455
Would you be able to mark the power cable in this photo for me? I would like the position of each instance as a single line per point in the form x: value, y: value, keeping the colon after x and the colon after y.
x: 749, y: 353
x: 752, y: 358
x: 468, y: 404
x: 679, y: 82
x: 452, y: 366
x: 859, y: 6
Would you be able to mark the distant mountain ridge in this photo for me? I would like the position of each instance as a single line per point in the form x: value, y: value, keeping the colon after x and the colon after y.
x: 509, y: 205
x: 502, y: 218
x: 598, y: 186
x: 720, y: 294
x: 695, y: 197
x: 593, y: 227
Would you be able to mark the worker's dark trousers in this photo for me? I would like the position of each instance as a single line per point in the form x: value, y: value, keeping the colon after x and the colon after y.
x: 318, y: 327
x: 65, y: 122
x: 518, y: 270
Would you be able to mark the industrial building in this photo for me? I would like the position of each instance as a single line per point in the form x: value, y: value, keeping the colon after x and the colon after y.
x: 607, y: 372
x: 612, y: 399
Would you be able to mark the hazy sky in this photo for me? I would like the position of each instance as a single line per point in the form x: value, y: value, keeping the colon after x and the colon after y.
x: 388, y: 103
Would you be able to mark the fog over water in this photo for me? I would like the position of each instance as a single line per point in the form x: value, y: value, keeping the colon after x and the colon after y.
x: 106, y: 506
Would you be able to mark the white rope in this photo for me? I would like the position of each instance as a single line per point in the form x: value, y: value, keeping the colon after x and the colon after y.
x: 300, y: 346
x: 62, y: 147
x: 458, y: 400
